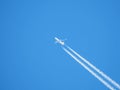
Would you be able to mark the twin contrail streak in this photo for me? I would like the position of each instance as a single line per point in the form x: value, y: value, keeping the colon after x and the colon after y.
x: 96, y: 69
x: 89, y: 70
x: 102, y: 77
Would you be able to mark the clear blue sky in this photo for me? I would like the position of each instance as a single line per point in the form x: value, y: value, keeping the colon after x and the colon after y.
x: 29, y: 58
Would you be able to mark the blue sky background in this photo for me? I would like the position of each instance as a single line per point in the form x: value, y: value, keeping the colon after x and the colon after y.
x: 29, y: 58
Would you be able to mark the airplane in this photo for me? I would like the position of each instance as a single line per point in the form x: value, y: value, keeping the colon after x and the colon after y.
x: 59, y: 41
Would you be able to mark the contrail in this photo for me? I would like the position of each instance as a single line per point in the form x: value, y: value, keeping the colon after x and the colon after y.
x: 95, y: 68
x: 89, y: 70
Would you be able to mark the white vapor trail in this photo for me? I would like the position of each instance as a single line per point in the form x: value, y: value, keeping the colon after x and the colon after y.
x: 89, y: 70
x: 95, y: 68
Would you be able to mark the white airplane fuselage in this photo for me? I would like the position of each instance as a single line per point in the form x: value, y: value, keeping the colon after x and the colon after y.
x: 59, y: 41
